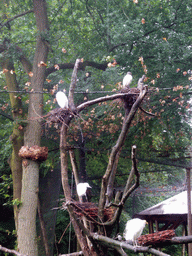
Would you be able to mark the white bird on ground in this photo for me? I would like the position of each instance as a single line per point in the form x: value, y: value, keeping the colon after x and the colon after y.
x: 127, y: 80
x: 82, y: 188
x: 62, y: 99
x: 134, y: 229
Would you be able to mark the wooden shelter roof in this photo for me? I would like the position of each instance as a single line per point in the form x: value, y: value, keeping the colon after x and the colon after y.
x: 173, y: 209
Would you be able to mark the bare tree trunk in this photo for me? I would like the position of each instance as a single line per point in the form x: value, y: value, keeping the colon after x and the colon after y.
x: 27, y: 240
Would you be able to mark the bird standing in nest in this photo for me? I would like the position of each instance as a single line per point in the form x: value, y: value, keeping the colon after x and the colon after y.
x: 127, y: 80
x: 82, y: 190
x: 62, y: 99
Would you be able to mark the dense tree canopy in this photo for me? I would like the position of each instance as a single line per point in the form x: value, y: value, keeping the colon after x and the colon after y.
x: 112, y: 37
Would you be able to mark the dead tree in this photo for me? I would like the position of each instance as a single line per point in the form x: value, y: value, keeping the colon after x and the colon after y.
x: 105, y: 215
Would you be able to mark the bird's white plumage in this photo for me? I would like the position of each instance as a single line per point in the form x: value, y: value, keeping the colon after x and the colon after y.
x: 62, y: 99
x: 82, y: 188
x: 127, y: 80
x: 134, y: 229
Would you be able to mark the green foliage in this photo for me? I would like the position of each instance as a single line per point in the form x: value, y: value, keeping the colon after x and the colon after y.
x: 152, y: 37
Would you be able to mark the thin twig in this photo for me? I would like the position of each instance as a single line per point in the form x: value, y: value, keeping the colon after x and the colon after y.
x: 4, y: 249
x: 146, y: 112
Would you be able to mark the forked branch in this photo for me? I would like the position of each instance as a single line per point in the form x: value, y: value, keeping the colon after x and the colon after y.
x: 117, y: 148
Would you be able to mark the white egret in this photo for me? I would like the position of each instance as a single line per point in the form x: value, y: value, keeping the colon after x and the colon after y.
x: 134, y: 229
x: 127, y: 80
x: 62, y: 99
x: 82, y: 189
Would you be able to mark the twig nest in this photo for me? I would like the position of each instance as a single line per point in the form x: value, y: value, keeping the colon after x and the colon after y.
x: 89, y: 209
x: 34, y: 153
x: 58, y: 115
x: 132, y: 96
x: 156, y: 238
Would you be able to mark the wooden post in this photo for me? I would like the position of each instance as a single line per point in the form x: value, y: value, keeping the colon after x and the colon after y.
x: 188, y: 176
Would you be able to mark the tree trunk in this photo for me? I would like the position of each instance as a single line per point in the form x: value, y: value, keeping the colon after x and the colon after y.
x: 17, y: 135
x: 27, y: 240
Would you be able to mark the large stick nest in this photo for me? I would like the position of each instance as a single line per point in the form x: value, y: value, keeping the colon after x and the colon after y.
x: 90, y: 210
x: 132, y: 96
x: 57, y: 115
x: 156, y: 238
x: 34, y: 153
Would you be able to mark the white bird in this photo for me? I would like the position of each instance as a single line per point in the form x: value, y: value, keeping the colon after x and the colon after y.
x: 134, y: 229
x: 82, y: 188
x: 62, y: 99
x: 127, y: 80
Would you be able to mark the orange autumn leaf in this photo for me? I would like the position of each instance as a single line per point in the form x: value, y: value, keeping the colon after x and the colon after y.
x: 185, y: 73
x: 27, y: 83
x: 64, y: 50
x: 177, y: 70
x: 30, y: 74
x: 42, y: 64
x: 143, y: 21
x: 141, y: 60
x: 56, y: 66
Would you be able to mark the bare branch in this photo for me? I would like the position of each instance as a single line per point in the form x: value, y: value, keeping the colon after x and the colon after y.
x: 114, y: 244
x: 73, y: 84
x: 4, y: 249
x: 117, y: 148
x: 100, y: 66
x: 15, y: 17
x: 134, y: 171
x: 121, y: 251
x: 43, y: 229
x: 146, y: 112
x: 74, y: 166
x: 24, y: 60
x: 101, y: 99
x: 72, y: 254
x: 128, y: 188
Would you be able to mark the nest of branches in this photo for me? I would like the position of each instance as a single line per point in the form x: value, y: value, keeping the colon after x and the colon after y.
x: 34, y: 153
x: 90, y: 210
x: 132, y: 96
x: 156, y: 238
x: 57, y: 115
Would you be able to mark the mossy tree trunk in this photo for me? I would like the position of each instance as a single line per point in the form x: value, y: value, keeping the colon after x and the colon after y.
x: 17, y: 135
x: 27, y: 240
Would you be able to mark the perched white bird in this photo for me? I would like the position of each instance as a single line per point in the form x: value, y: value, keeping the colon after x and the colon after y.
x: 134, y: 229
x: 82, y: 188
x: 62, y: 99
x: 127, y: 80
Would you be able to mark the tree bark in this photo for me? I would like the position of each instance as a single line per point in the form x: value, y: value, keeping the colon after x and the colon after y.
x: 17, y: 134
x: 27, y: 240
